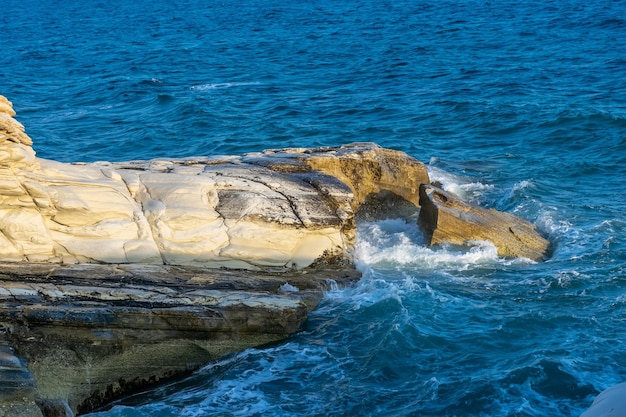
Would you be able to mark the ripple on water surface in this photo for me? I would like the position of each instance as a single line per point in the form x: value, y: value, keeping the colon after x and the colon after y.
x: 517, y: 106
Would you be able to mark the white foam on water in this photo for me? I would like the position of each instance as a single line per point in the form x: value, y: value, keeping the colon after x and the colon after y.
x: 561, y: 232
x: 149, y: 410
x: 221, y: 86
x: 272, y: 374
x: 396, y: 243
x: 553, y: 225
x: 522, y: 185
x: 287, y: 287
x: 466, y: 188
x: 370, y: 291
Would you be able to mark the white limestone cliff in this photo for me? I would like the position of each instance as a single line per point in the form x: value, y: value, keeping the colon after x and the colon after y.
x: 284, y: 208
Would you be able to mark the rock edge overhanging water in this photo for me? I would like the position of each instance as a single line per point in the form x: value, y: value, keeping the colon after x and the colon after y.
x: 120, y: 275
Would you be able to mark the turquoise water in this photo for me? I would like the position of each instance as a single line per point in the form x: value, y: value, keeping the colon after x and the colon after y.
x: 520, y: 106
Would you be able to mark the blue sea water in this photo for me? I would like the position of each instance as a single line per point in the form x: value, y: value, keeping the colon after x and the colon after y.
x: 519, y: 106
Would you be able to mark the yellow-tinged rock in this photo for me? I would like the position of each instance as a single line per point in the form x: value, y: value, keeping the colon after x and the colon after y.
x: 445, y: 218
x: 369, y: 169
x: 279, y: 208
x: 6, y: 106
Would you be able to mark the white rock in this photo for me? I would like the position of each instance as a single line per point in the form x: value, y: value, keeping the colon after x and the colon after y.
x: 281, y: 208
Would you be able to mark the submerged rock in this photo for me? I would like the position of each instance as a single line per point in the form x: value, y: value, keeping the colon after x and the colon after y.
x: 609, y: 403
x: 444, y: 218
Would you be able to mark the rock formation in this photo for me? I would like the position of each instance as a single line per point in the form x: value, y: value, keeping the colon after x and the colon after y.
x: 282, y: 208
x: 444, y: 218
x: 78, y: 336
x: 112, y: 274
x: 109, y: 272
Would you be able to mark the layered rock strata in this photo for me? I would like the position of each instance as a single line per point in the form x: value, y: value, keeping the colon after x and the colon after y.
x: 279, y: 208
x: 445, y: 218
x: 112, y: 274
x: 89, y: 333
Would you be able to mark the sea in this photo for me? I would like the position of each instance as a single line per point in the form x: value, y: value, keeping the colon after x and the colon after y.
x: 514, y: 105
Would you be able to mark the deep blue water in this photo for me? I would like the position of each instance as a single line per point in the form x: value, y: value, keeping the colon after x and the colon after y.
x: 520, y: 106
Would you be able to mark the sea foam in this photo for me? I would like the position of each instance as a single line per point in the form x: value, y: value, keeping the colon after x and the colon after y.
x: 466, y: 188
x: 389, y: 243
x: 221, y: 86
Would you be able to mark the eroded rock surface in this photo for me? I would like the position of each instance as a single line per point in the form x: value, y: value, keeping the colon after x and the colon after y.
x: 110, y: 278
x: 110, y: 274
x: 278, y: 208
x: 90, y: 333
x: 445, y: 218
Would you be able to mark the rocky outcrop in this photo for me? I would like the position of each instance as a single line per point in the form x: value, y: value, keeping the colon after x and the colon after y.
x: 279, y: 208
x: 444, y: 218
x: 112, y: 275
x: 90, y: 333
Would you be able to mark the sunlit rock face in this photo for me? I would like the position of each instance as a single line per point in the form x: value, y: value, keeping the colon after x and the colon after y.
x: 281, y: 208
x: 111, y: 274
x: 445, y: 218
x: 285, y: 208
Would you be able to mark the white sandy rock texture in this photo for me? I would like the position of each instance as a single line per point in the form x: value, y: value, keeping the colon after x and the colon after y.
x: 284, y: 208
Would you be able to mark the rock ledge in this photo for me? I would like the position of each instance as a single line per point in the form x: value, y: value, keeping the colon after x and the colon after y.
x: 115, y: 276
x: 89, y: 333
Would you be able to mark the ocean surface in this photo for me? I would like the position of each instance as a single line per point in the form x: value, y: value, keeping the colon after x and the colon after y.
x: 515, y: 105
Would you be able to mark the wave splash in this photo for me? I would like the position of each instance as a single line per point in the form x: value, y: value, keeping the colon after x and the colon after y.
x: 400, y: 244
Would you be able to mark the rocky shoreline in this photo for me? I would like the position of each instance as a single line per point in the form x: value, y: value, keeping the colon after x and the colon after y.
x: 116, y: 276
x: 78, y: 336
